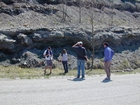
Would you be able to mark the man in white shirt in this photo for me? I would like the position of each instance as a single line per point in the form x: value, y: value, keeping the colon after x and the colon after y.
x: 48, y: 54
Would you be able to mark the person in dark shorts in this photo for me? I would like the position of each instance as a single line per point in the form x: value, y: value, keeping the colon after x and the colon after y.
x: 81, y: 58
x: 48, y: 54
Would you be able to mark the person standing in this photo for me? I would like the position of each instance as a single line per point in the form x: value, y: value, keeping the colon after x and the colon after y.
x: 108, y: 54
x: 64, y: 60
x: 81, y: 57
x: 48, y: 54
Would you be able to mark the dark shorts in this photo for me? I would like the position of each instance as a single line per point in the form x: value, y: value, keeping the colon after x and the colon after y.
x: 48, y: 62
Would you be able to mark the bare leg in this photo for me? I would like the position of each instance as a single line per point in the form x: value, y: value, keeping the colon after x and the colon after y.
x: 46, y: 67
x: 50, y: 69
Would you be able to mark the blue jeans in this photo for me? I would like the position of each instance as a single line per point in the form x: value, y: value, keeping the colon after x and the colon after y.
x: 81, y: 66
x: 65, y: 65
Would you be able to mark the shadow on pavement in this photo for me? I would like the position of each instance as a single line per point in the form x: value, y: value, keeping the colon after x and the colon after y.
x: 62, y: 73
x: 77, y: 79
x: 106, y: 81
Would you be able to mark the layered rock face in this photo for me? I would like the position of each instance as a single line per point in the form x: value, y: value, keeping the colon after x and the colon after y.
x: 28, y: 27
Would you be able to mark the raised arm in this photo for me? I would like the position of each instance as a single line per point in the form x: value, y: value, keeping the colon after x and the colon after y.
x: 75, y: 44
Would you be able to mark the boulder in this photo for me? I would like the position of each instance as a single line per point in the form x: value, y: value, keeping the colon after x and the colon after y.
x: 24, y: 40
x: 6, y: 42
x: 29, y: 60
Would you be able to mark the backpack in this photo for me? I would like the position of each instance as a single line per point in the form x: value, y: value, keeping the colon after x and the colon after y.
x: 48, y: 52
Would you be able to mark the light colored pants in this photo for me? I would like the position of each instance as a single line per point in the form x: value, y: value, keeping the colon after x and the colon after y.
x: 81, y: 66
x: 107, y: 68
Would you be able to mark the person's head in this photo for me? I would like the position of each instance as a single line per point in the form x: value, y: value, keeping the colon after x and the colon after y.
x: 64, y: 51
x: 80, y: 43
x: 105, y: 44
x: 49, y: 48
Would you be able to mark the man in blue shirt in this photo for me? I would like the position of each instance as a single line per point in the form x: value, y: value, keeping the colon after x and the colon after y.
x: 108, y: 54
x: 81, y: 57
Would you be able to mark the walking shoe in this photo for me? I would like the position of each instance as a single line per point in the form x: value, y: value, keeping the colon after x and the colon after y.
x: 66, y: 72
x: 83, y: 76
x: 78, y: 76
x: 107, y: 78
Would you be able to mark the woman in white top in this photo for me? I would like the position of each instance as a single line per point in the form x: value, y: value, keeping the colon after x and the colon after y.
x: 64, y: 60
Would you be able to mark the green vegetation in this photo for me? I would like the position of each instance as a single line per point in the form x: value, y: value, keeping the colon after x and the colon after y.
x: 137, y: 0
x: 14, y: 72
x: 130, y: 0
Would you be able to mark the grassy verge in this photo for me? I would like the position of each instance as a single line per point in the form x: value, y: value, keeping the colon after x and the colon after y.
x: 14, y: 72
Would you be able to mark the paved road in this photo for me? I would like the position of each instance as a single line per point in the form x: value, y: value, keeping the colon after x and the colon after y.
x: 121, y: 90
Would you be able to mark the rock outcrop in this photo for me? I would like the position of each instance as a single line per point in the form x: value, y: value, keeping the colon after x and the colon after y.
x: 122, y: 40
x: 29, y: 26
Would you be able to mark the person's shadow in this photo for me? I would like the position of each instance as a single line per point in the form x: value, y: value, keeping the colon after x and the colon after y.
x: 77, y: 79
x: 106, y: 81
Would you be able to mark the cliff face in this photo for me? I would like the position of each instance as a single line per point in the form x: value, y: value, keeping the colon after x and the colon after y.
x: 27, y: 27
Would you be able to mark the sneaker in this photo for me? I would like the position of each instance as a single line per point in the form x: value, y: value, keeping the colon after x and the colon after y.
x: 66, y: 72
x: 107, y: 78
x: 83, y: 76
x: 78, y: 76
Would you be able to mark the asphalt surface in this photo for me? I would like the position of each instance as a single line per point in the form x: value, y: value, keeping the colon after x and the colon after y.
x: 121, y: 90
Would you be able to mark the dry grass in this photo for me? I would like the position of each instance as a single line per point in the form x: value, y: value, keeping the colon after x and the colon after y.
x: 14, y: 72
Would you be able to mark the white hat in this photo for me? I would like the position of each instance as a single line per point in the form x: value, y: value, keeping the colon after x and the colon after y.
x: 80, y: 42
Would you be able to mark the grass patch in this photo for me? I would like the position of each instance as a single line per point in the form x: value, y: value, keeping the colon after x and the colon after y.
x: 13, y: 72
x: 17, y: 72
